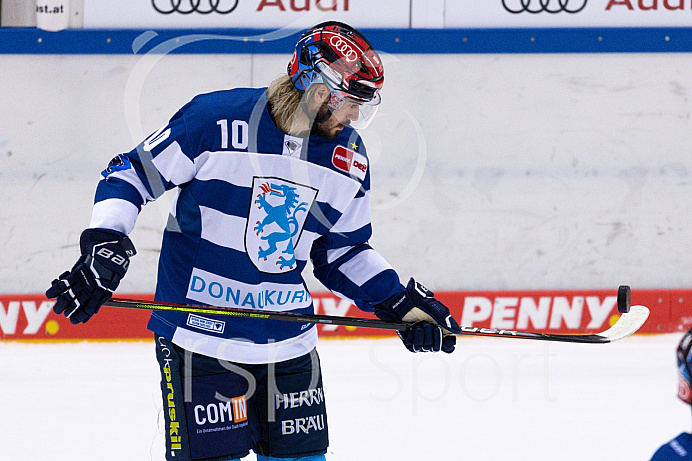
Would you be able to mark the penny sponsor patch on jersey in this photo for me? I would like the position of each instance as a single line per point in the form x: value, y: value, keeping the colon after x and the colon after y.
x: 350, y: 161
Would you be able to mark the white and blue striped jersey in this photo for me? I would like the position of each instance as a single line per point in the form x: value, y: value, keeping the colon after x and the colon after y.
x: 252, y: 205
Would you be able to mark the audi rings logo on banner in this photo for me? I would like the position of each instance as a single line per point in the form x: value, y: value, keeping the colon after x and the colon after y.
x: 544, y: 6
x: 194, y: 6
x: 344, y: 48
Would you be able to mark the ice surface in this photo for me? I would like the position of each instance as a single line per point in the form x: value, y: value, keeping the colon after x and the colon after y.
x: 493, y: 399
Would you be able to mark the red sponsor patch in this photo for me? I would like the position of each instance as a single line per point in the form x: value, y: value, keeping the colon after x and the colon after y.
x: 350, y: 161
x: 342, y: 158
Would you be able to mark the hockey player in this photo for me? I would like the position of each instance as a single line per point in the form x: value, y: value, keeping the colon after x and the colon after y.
x: 680, y: 448
x: 264, y: 179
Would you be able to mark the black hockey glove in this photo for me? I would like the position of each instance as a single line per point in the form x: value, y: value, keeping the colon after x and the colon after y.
x: 93, y: 279
x: 433, y: 329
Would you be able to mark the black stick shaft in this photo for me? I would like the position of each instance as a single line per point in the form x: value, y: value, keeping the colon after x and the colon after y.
x: 636, y: 319
x: 257, y: 314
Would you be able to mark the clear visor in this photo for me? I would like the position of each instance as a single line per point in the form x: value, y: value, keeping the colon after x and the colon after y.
x: 358, y: 114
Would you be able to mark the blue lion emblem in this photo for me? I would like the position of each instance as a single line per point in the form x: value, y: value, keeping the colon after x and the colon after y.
x: 284, y: 216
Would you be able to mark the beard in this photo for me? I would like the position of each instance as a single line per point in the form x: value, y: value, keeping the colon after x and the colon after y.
x: 329, y: 128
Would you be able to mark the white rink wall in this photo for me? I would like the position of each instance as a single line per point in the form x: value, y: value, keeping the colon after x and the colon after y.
x: 550, y: 171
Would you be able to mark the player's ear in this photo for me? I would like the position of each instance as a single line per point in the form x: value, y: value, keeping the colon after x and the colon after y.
x: 321, y: 94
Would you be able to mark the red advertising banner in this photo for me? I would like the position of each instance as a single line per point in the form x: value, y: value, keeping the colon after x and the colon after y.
x: 27, y: 317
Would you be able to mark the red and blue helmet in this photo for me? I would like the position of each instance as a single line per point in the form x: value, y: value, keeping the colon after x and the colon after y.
x: 340, y: 57
x: 684, y: 354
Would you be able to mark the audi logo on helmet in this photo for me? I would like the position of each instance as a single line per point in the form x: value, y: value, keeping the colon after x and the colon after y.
x: 344, y: 48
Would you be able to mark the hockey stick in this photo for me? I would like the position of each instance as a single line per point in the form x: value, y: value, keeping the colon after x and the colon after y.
x: 258, y: 314
x: 628, y: 323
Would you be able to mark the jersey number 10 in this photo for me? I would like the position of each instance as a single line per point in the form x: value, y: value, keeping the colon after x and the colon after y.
x: 239, y: 134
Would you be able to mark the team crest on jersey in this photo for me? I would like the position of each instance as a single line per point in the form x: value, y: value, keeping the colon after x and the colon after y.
x: 277, y: 214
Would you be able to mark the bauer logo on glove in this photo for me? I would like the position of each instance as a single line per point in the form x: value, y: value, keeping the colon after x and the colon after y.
x: 105, y: 258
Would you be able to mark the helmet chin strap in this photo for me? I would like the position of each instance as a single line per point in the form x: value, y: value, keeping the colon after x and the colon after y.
x: 325, y: 117
x: 306, y: 111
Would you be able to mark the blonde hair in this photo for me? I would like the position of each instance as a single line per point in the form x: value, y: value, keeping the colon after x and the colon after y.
x: 284, y: 100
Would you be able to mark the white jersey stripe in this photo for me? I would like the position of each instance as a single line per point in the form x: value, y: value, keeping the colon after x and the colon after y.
x: 364, y: 266
x: 356, y: 216
x: 114, y: 213
x: 244, y: 351
x: 302, y: 251
x: 333, y: 255
x: 174, y: 165
x: 222, y: 229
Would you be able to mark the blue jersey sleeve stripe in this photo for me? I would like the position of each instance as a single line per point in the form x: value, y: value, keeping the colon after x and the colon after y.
x: 118, y: 188
x: 338, y: 240
x: 143, y: 175
x: 378, y: 289
x: 385, y: 285
x: 131, y: 176
x: 322, y: 256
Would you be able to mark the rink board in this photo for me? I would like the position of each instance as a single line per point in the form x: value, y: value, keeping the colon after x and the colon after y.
x: 30, y: 317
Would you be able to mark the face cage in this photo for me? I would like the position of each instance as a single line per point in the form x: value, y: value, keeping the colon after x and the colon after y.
x: 366, y: 109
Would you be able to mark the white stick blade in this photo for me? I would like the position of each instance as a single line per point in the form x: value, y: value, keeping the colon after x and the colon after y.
x: 627, y: 323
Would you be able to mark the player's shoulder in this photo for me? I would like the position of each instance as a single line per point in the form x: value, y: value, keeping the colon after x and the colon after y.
x: 352, y: 139
x: 347, y: 155
x: 224, y: 102
x: 680, y: 448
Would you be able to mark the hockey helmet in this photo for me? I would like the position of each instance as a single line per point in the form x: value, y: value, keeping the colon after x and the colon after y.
x: 337, y: 55
x: 684, y: 366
